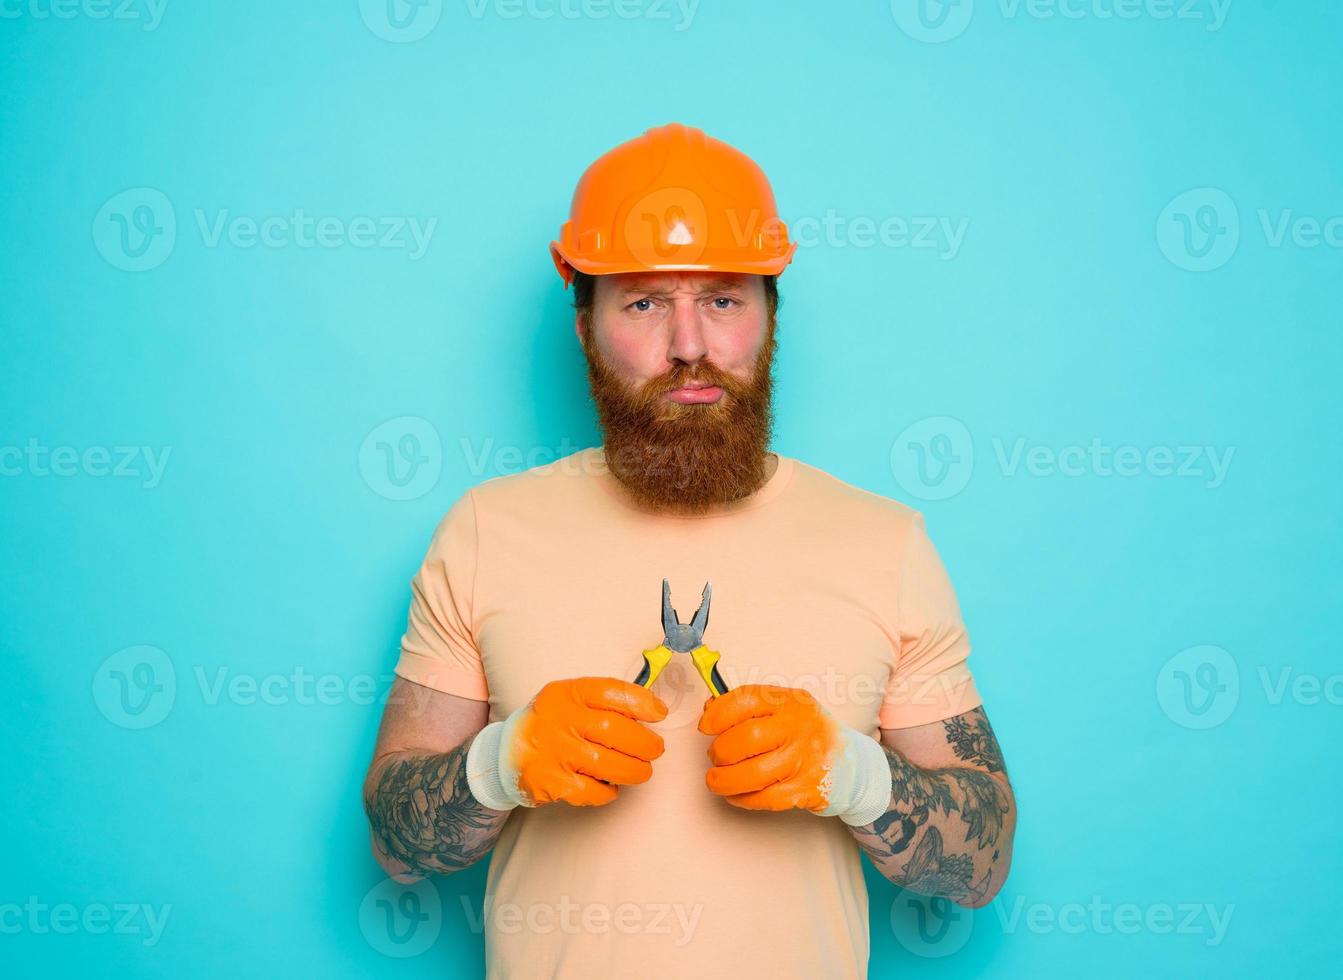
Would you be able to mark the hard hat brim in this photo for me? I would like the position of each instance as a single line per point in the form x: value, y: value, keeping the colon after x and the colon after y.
x: 565, y: 264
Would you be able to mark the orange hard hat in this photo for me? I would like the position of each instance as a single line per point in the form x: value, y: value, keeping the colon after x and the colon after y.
x: 673, y: 199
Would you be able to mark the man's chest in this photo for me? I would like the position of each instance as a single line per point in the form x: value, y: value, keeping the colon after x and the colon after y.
x: 777, y: 616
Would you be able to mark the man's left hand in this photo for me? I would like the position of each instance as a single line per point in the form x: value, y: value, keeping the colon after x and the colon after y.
x: 778, y: 748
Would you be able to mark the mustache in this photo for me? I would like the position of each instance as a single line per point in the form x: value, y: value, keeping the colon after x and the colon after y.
x: 702, y: 374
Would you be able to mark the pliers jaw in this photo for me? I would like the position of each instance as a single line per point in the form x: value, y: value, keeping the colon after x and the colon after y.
x: 678, y: 637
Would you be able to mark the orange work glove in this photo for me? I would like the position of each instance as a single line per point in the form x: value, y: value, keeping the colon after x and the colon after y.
x: 575, y: 741
x: 777, y: 748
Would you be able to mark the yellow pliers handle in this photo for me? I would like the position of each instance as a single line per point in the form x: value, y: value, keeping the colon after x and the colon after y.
x: 705, y: 660
x: 654, y: 661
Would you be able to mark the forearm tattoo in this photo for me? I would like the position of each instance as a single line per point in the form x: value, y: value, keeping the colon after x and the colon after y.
x: 423, y: 815
x: 954, y: 867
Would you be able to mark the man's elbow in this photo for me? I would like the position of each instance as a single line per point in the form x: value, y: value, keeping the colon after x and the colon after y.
x: 997, y: 876
x: 983, y: 897
x: 989, y: 887
x: 396, y: 870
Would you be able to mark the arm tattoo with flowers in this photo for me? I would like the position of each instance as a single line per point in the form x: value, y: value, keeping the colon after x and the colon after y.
x: 423, y: 815
x: 948, y: 831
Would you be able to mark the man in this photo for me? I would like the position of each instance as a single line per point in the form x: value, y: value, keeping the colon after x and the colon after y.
x: 645, y: 830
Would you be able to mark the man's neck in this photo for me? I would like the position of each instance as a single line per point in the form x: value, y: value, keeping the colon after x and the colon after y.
x: 771, y: 467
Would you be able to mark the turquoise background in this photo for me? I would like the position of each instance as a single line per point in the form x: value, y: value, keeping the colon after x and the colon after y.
x: 1130, y: 632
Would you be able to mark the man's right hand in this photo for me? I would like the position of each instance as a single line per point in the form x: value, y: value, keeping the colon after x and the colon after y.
x: 577, y: 740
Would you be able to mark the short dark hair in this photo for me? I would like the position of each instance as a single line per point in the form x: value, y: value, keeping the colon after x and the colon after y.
x: 585, y: 288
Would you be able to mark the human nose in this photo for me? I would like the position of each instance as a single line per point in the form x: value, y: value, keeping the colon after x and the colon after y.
x: 687, y: 343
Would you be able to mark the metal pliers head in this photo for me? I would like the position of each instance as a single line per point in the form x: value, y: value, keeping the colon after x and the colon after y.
x: 678, y: 637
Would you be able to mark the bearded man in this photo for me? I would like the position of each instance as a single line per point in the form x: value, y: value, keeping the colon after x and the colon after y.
x: 546, y: 712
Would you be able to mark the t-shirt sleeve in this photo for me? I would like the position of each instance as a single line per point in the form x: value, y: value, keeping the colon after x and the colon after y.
x: 931, y: 680
x: 439, y: 647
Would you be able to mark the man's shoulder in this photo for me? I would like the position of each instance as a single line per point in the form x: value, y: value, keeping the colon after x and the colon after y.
x: 840, y: 495
x: 548, y: 479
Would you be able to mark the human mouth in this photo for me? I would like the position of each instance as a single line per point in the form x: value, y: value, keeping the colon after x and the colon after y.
x: 696, y: 394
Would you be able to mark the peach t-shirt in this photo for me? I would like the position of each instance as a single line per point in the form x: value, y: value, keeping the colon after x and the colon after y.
x: 553, y: 573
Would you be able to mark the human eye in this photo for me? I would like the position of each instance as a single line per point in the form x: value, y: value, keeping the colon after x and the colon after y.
x: 643, y: 304
x: 725, y: 302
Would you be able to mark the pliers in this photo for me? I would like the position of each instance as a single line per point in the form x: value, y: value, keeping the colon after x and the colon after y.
x: 679, y: 638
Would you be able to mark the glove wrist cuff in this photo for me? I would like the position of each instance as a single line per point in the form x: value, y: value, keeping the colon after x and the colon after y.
x: 485, y: 770
x: 864, y: 792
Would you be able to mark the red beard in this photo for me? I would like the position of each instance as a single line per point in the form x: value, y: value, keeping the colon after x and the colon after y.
x: 686, y: 459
